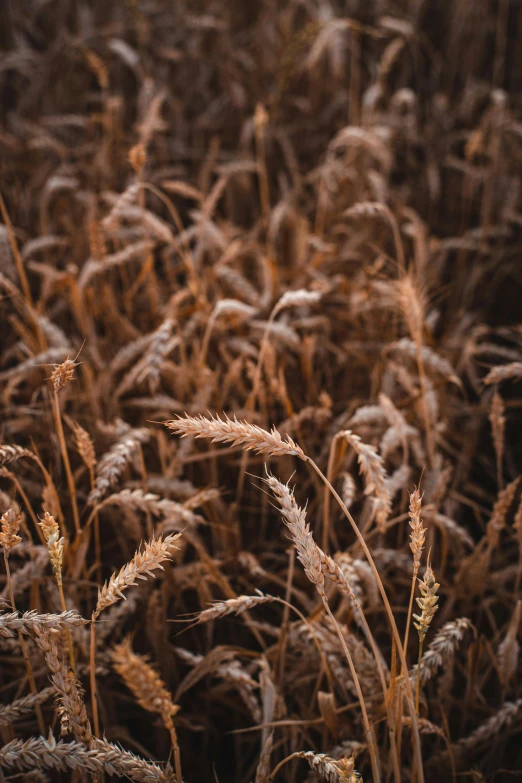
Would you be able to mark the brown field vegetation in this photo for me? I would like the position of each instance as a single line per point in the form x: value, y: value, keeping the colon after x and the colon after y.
x: 260, y: 373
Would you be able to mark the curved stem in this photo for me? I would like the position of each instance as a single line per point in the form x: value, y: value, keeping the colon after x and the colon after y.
x: 366, y: 722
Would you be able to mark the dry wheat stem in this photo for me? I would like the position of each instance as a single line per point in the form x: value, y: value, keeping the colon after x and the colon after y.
x: 65, y: 457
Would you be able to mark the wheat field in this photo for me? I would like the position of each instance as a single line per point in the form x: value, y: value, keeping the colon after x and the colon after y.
x: 260, y: 388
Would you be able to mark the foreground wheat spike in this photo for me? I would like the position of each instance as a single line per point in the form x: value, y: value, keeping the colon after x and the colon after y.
x: 143, y: 564
x: 428, y: 605
x: 73, y: 714
x: 238, y: 433
x: 18, y: 708
x: 330, y: 770
x: 55, y: 545
x: 149, y: 690
x: 33, y: 622
x: 37, y: 752
x: 417, y: 538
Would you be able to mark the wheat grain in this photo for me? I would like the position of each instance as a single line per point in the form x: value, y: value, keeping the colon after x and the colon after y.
x: 144, y: 562
x: 33, y: 622
x: 238, y: 433
x: 371, y: 465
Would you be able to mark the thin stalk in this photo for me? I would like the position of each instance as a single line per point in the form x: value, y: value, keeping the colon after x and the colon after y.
x: 67, y: 630
x: 286, y: 614
x: 410, y: 609
x: 67, y: 465
x: 92, y: 677
x: 28, y: 667
x: 177, y: 754
x: 366, y: 722
x: 417, y: 687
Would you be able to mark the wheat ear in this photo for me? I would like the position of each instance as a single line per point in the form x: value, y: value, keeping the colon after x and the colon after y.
x: 417, y: 538
x: 149, y: 690
x: 55, y: 546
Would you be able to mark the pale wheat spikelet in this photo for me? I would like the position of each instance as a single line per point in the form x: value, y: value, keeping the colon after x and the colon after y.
x: 329, y: 769
x: 349, y: 489
x: 509, y: 649
x: 113, y: 463
x: 103, y: 756
x: 238, y: 433
x: 84, y: 446
x: 371, y: 465
x: 63, y: 374
x: 33, y: 622
x: 20, y: 707
x: 316, y: 563
x: 73, y: 714
x: 427, y: 602
x: 10, y: 525
x: 12, y: 453
x: 417, y: 535
x: 144, y: 562
x: 55, y: 544
x: 506, y: 372
x: 428, y: 605
x: 233, y: 606
x: 299, y: 298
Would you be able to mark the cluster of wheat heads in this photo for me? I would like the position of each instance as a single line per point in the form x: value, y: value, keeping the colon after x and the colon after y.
x: 260, y: 365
